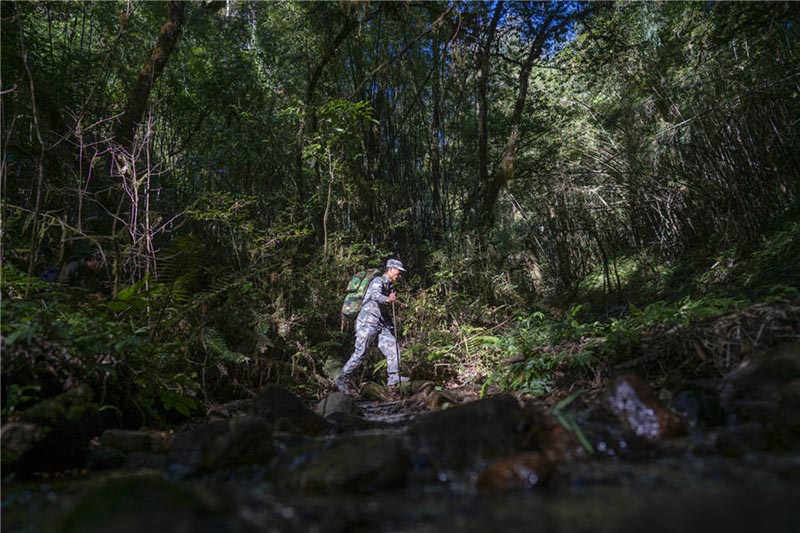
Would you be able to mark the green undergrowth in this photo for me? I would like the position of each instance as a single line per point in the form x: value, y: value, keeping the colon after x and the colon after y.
x: 530, y: 350
x: 55, y: 338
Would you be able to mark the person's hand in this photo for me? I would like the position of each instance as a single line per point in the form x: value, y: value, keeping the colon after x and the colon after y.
x: 392, y: 297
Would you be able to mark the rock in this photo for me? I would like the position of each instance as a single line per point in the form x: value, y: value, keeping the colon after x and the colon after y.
x: 422, y: 387
x: 754, y: 391
x: 188, y: 446
x: 198, y: 437
x: 375, y: 392
x: 790, y: 406
x: 557, y: 443
x: 356, y: 464
x: 18, y: 439
x: 103, y: 458
x: 348, y: 422
x: 438, y: 400
x: 698, y: 406
x: 639, y: 410
x: 480, y: 430
x: 249, y: 442
x: 145, y: 503
x: 275, y: 402
x: 229, y: 410
x: 337, y: 402
x: 738, y: 440
x: 127, y: 441
x: 521, y: 471
x: 66, y: 423
x: 779, y: 364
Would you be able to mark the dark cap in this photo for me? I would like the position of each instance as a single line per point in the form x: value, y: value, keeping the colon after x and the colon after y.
x: 394, y: 263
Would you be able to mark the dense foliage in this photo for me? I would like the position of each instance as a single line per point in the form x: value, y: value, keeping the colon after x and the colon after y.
x: 553, y: 174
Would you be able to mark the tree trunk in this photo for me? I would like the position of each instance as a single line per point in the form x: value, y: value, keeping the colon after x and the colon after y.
x: 152, y: 69
x: 481, y: 96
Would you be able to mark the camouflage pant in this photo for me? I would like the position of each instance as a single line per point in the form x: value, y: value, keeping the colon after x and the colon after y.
x: 365, y: 335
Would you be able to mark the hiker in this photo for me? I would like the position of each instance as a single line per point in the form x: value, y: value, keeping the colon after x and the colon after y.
x: 375, y: 320
x: 83, y: 272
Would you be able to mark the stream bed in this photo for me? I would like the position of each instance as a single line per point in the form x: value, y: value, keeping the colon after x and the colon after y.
x: 621, y: 462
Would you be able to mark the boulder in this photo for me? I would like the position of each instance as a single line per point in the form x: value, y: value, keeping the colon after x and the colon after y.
x: 127, y: 441
x: 66, y: 424
x: 459, y: 436
x: 521, y: 471
x: 756, y: 391
x: 188, y: 446
x: 640, y: 412
x: 248, y: 442
x: 348, y: 423
x: 698, y: 406
x: 557, y: 443
x: 375, y: 392
x: 439, y: 400
x: 18, y: 439
x: 355, y: 464
x: 103, y: 458
x: 780, y: 364
x: 337, y: 402
x: 275, y: 403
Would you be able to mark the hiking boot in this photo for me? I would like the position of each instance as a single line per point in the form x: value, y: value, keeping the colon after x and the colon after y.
x: 394, y: 380
x: 342, y: 385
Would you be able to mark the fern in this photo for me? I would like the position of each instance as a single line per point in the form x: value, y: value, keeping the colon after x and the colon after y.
x: 215, y: 344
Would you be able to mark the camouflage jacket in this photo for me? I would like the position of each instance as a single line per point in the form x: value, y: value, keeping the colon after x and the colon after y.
x: 374, y: 309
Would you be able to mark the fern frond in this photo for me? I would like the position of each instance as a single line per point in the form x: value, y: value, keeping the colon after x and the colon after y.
x: 215, y: 344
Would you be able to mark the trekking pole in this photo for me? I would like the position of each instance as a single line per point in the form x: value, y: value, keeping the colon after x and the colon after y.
x: 397, y: 352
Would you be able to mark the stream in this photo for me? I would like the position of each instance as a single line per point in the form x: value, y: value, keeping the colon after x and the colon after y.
x: 621, y: 460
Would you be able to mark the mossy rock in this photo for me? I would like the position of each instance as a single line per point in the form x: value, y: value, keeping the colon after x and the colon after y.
x: 357, y: 464
x: 66, y: 423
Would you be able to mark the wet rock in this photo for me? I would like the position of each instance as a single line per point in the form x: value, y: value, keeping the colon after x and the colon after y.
x: 248, y: 442
x: 375, y: 392
x: 155, y: 461
x: 145, y: 503
x: 103, y: 458
x: 639, y: 410
x: 66, y: 423
x: 738, y: 440
x: 480, y: 430
x: 439, y: 400
x: 337, y: 402
x: 198, y: 436
x: 422, y: 387
x: 790, y: 406
x: 698, y: 406
x: 229, y: 410
x: 356, y: 464
x: 188, y: 446
x: 275, y: 402
x: 521, y: 471
x: 18, y: 439
x: 779, y: 364
x: 557, y: 443
x: 754, y: 391
x: 127, y: 441
x: 348, y: 422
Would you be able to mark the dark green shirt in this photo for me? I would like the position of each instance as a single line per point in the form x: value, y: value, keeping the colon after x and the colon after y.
x: 77, y: 274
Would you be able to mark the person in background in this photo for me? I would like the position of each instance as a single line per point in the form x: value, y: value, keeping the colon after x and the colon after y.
x: 83, y: 272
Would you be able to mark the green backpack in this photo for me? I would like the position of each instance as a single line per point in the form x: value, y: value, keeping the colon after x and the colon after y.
x: 356, y: 290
